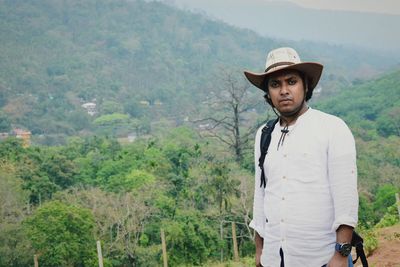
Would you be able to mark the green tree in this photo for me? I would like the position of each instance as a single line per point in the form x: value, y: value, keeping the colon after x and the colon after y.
x: 191, y: 238
x: 60, y: 170
x: 12, y: 149
x: 15, y: 248
x: 390, y: 218
x: 221, y: 186
x: 112, y: 123
x: 5, y: 124
x: 134, y: 180
x: 62, y: 235
x: 366, y: 215
x: 79, y: 120
x: 44, y: 171
x: 389, y: 123
x: 384, y: 198
x: 110, y: 120
x: 111, y: 107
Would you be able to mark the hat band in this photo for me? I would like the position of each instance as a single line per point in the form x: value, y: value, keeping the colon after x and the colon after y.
x: 278, y: 64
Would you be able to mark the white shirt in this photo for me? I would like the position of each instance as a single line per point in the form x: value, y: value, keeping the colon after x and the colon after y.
x: 311, y: 190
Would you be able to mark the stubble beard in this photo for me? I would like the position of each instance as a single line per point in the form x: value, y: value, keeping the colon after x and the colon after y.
x: 293, y: 114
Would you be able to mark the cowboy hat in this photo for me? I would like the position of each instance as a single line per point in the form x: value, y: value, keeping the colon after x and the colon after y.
x: 286, y: 58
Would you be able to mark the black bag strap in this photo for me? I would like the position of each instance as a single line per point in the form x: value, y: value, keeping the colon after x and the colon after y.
x: 264, y: 144
x: 357, y: 242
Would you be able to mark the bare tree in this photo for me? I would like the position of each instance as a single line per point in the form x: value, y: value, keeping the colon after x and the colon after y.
x: 232, y: 119
x: 243, y: 206
x: 120, y: 218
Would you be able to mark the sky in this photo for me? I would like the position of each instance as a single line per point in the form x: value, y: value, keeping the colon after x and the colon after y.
x: 372, y: 24
x: 375, y: 6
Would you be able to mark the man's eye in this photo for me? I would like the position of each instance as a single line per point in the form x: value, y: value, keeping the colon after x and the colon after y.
x: 292, y: 82
x: 273, y: 84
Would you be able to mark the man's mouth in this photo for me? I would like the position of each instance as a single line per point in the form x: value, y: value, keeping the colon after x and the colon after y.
x: 285, y: 100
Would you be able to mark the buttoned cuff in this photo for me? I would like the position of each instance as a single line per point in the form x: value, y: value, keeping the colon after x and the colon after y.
x: 344, y: 220
x: 259, y: 229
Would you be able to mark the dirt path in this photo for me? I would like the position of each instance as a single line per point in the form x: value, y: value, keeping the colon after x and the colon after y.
x: 388, y: 252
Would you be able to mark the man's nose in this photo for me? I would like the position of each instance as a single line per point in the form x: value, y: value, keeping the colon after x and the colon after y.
x: 284, y: 89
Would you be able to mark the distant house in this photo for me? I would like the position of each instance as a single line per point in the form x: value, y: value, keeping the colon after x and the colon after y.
x: 4, y: 136
x: 145, y: 103
x: 206, y: 126
x: 158, y: 103
x: 131, y: 137
x: 24, y: 135
x: 90, y: 108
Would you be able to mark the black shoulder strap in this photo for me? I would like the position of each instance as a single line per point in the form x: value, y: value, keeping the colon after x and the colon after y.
x: 357, y: 242
x: 265, y: 140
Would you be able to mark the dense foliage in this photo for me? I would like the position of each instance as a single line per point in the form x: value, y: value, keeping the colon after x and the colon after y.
x: 371, y: 109
x: 61, y: 199
x: 95, y: 188
x: 62, y: 235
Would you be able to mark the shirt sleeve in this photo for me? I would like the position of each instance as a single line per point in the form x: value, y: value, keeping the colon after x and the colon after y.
x: 259, y: 218
x: 342, y: 173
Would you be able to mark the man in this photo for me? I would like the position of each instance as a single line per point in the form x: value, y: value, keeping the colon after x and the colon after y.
x: 305, y: 213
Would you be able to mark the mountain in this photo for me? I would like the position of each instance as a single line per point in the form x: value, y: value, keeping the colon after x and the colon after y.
x: 139, y: 62
x: 283, y: 19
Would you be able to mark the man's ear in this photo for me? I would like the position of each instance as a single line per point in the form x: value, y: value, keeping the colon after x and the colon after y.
x: 268, y: 99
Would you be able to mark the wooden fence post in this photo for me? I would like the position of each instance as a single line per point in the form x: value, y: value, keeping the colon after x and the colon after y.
x: 35, y: 260
x: 99, y: 254
x: 221, y: 230
x: 235, y: 245
x: 164, y: 248
x: 398, y: 203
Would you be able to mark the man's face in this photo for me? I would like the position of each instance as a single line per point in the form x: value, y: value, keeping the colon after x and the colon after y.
x: 286, y: 90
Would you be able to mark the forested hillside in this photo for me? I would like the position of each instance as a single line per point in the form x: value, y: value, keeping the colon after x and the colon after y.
x: 138, y: 61
x: 126, y: 56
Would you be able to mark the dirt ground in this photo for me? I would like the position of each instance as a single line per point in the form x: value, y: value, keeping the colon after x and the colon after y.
x: 388, y: 252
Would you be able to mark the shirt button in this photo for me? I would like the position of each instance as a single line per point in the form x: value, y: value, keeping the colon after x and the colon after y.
x: 282, y: 220
x: 283, y: 239
x: 285, y: 155
x: 283, y: 177
x: 283, y: 198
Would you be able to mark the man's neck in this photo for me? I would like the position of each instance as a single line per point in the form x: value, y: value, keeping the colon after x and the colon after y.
x: 290, y: 120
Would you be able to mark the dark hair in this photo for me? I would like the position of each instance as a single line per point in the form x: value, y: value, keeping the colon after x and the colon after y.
x: 305, y: 80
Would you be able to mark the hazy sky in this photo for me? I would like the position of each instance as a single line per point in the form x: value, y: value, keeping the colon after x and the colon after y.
x: 372, y: 24
x: 380, y: 6
x: 375, y: 6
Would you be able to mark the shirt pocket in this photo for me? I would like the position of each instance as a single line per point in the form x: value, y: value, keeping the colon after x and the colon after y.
x: 307, y: 166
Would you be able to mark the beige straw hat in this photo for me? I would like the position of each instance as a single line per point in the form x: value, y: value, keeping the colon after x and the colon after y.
x: 286, y: 58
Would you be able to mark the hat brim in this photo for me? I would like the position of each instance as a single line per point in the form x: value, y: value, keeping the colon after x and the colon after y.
x: 312, y: 70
